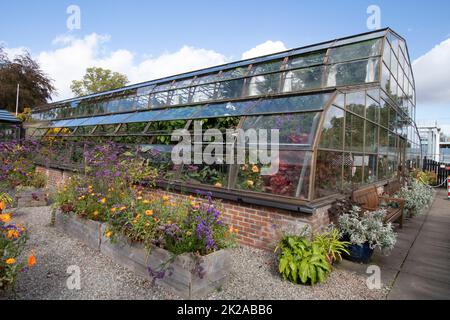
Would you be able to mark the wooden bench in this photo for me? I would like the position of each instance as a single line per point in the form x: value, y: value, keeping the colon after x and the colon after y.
x: 369, y: 200
x: 392, y: 188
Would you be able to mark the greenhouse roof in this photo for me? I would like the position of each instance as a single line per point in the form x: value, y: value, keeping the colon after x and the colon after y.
x: 243, y: 63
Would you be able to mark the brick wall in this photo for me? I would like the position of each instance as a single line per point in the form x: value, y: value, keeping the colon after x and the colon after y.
x: 258, y: 226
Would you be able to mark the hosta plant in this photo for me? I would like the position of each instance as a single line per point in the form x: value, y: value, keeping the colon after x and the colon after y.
x: 302, y: 261
x: 332, y: 245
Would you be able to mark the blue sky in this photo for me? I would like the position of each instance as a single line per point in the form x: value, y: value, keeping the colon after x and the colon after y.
x: 143, y: 35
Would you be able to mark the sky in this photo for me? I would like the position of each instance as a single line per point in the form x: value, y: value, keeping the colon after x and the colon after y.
x: 151, y: 39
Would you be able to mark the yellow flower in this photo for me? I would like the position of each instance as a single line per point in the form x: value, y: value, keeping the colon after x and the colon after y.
x: 250, y: 183
x: 188, y: 233
x: 147, y: 224
x: 103, y: 200
x: 108, y: 234
x: 155, y: 219
x: 169, y: 221
x: 148, y: 212
x: 93, y: 194
x: 139, y: 198
x: 146, y: 201
x: 5, y: 217
x: 218, y: 185
x: 255, y: 169
x: 95, y: 213
x: 165, y: 198
x: 244, y: 167
x: 10, y: 261
x: 113, y: 209
x: 122, y: 208
x: 90, y: 187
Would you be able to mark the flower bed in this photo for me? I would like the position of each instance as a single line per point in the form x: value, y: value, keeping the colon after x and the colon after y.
x: 188, y: 275
x: 178, y: 242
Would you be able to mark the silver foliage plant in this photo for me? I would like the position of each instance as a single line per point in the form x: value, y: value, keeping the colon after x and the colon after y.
x: 368, y: 227
x: 417, y: 196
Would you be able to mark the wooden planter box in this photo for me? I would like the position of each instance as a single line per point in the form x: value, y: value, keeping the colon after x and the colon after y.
x: 186, y: 275
x: 87, y: 231
x: 31, y: 197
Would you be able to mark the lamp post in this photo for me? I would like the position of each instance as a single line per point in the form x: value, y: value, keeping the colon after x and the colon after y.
x: 17, y: 99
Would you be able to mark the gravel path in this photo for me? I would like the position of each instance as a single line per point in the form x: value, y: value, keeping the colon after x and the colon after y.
x: 253, y: 277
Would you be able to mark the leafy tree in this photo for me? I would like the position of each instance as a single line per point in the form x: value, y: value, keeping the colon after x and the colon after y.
x: 98, y: 80
x: 35, y: 86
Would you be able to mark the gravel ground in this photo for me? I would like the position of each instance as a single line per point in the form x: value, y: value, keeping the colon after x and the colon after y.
x: 253, y: 276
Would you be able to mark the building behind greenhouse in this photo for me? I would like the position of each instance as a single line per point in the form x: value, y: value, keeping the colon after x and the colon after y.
x: 345, y: 110
x: 10, y: 126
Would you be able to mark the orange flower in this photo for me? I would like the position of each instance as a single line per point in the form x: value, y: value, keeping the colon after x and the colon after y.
x: 10, y: 261
x: 5, y: 217
x: 218, y: 185
x: 103, y: 200
x: 113, y: 209
x: 138, y: 216
x: 122, y: 208
x: 31, y: 260
x: 155, y: 219
x: 148, y: 212
x: 255, y: 169
x: 108, y: 234
x: 2, y: 206
x: 13, y: 234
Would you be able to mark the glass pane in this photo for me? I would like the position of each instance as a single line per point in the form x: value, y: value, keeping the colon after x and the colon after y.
x: 142, y: 102
x: 225, y: 109
x: 371, y: 137
x: 353, y: 171
x: 180, y: 96
x: 230, y: 89
x: 306, y: 60
x: 387, y: 54
x: 328, y: 179
x: 158, y: 99
x: 303, y: 79
x: 116, y: 118
x: 353, y: 73
x: 94, y: 121
x: 160, y: 158
x: 356, y: 102
x: 204, y: 92
x: 370, y: 168
x: 76, y: 122
x: 394, y: 66
x: 215, y: 174
x: 291, y: 180
x: 333, y: 129
x: 354, y: 132
x: 355, y: 51
x: 264, y: 84
x: 177, y: 113
x: 143, y: 116
x: 266, y: 67
x: 294, y: 129
x: 383, y: 166
x: 291, y: 104
x: 233, y: 73
x: 373, y: 109
x: 384, y: 141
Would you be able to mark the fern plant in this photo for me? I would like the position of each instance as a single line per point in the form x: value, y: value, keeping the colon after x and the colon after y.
x: 301, y: 260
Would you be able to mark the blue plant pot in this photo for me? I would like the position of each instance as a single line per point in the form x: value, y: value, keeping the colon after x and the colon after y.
x: 358, y: 253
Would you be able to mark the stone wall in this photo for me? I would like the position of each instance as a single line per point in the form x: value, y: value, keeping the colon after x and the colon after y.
x: 258, y: 226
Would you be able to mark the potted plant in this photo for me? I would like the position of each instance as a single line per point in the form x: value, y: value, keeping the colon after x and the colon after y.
x: 365, y: 231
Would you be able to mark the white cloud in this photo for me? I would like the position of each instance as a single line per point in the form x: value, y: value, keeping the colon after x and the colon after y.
x: 431, y: 72
x: 73, y: 55
x: 262, y: 49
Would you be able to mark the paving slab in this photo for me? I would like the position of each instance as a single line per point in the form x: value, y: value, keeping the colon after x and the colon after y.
x: 434, y: 269
x: 413, y: 287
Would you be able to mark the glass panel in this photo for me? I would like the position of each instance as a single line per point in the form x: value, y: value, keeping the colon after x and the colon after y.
x: 158, y: 99
x: 373, y: 109
x: 392, y: 119
x: 264, y: 84
x: 354, y: 132
x: 392, y: 144
x: 294, y: 129
x: 394, y: 66
x: 387, y: 54
x: 180, y: 96
x: 93, y: 121
x: 356, y: 102
x: 383, y: 167
x: 291, y: 180
x: 145, y: 90
x: 160, y: 157
x: 333, y: 129
x: 225, y: 109
x: 371, y: 137
x: 230, y: 89
x: 353, y: 73
x: 370, y: 168
x: 85, y: 130
x: 76, y: 122
x: 141, y: 102
x: 353, y: 171
x: 306, y: 60
x: 115, y: 119
x: 204, y: 92
x: 266, y: 67
x: 215, y: 174
x: 177, y: 113
x: 291, y: 104
x: 384, y: 141
x: 233, y: 73
x: 328, y: 179
x: 143, y: 116
x: 303, y: 79
x: 355, y: 51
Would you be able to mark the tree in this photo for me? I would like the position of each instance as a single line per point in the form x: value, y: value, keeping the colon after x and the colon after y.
x: 36, y: 88
x: 98, y: 80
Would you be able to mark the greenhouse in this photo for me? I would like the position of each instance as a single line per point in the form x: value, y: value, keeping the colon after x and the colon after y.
x: 345, y: 110
x: 9, y: 126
